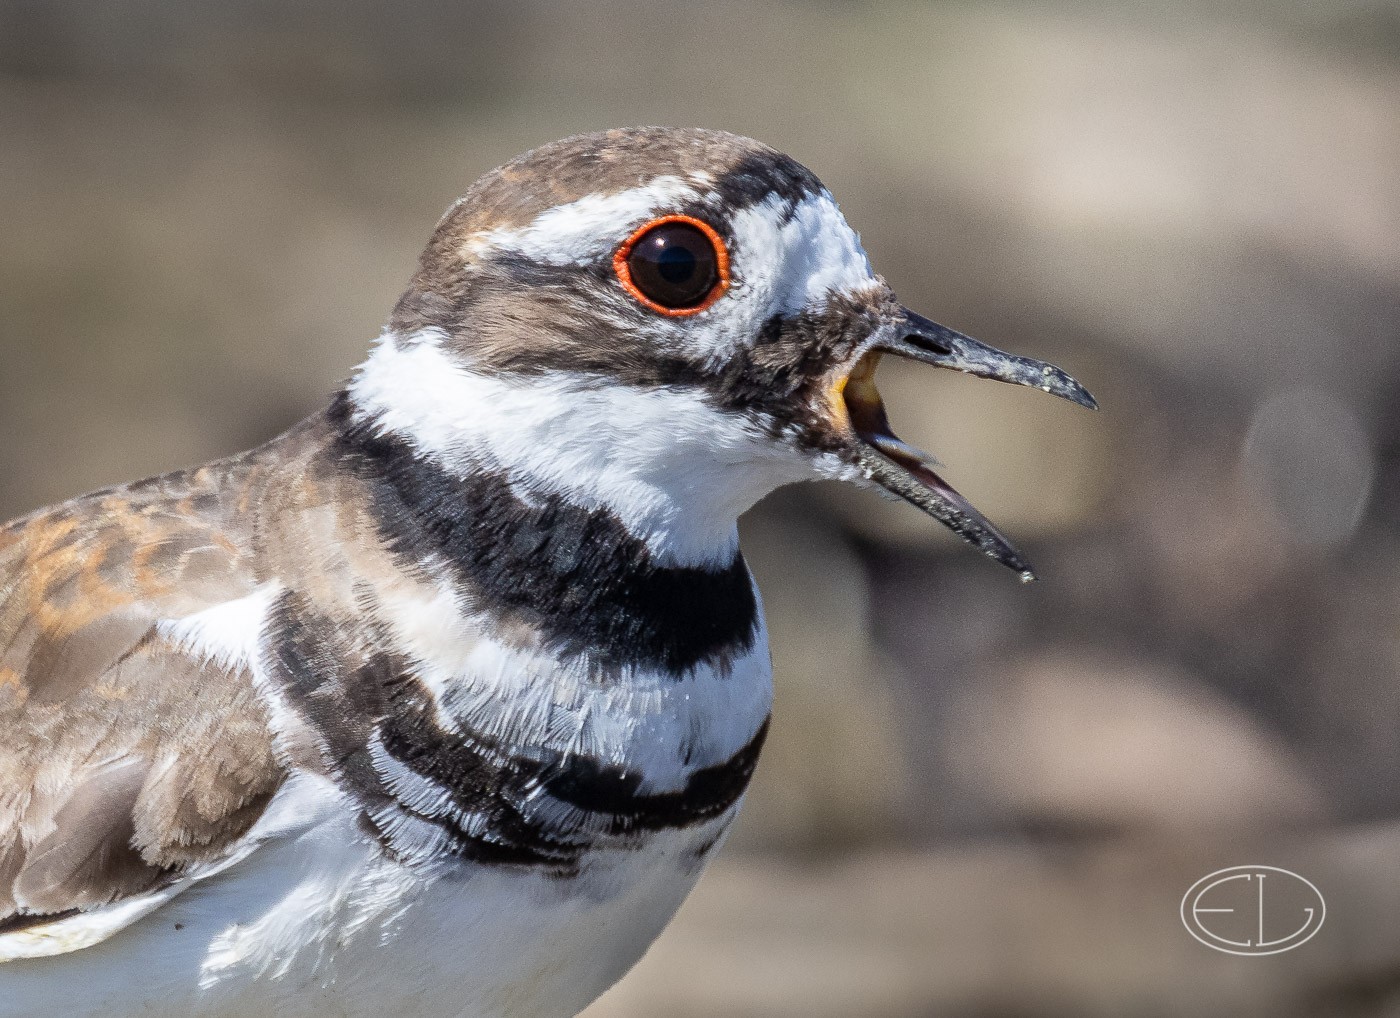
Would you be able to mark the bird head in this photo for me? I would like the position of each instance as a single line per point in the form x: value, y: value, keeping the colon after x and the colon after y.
x: 666, y: 324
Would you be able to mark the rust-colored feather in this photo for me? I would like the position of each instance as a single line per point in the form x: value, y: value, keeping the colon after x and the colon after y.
x: 124, y: 760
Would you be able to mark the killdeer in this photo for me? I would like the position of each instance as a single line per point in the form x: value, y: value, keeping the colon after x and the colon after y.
x: 440, y: 701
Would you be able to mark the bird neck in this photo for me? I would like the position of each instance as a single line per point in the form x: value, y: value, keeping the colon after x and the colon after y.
x: 576, y: 575
x: 661, y: 463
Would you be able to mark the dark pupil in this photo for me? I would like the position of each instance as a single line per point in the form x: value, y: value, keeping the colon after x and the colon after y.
x: 677, y: 265
x: 674, y: 265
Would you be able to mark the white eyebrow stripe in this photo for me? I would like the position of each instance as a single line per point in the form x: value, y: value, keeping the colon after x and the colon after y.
x: 787, y: 257
x: 586, y: 229
x: 802, y: 257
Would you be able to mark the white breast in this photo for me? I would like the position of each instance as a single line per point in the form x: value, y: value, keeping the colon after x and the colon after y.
x: 314, y: 919
x: 321, y: 923
x: 658, y: 724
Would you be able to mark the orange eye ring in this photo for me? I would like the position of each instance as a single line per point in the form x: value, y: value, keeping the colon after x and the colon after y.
x: 623, y: 270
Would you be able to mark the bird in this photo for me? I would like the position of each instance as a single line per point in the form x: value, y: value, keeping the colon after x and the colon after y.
x: 442, y: 700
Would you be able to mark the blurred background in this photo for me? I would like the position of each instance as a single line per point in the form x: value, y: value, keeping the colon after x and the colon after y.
x: 979, y: 799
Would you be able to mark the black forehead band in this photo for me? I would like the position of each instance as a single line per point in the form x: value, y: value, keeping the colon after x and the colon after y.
x: 758, y: 178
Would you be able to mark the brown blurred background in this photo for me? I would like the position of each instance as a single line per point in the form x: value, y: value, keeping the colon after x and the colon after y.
x: 980, y: 799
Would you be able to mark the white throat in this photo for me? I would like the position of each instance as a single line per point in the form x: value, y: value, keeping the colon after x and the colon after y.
x: 676, y: 471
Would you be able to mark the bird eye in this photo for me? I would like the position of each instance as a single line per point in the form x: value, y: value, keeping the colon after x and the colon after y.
x: 675, y: 265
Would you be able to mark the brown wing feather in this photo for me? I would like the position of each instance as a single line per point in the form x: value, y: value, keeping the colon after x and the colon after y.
x: 124, y: 761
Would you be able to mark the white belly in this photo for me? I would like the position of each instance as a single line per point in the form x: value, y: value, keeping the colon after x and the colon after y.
x: 322, y: 924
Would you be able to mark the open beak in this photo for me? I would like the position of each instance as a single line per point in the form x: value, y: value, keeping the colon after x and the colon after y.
x: 908, y: 472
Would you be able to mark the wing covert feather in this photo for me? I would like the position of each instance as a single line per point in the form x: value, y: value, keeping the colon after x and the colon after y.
x: 127, y: 762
